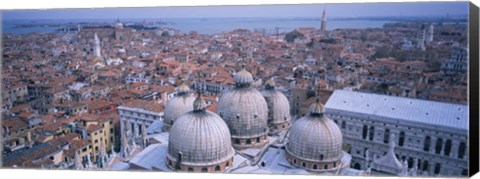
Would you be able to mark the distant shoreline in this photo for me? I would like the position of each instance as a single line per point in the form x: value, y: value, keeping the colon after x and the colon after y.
x: 216, y: 25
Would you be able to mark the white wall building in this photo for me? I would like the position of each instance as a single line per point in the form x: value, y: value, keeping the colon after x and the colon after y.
x: 431, y: 135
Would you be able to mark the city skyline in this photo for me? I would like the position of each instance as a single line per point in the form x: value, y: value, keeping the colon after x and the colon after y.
x: 418, y: 9
x: 351, y: 97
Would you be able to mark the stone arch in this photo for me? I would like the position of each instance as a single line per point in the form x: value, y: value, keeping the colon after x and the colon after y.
x: 217, y: 168
x: 204, y: 169
x: 315, y: 166
x: 190, y: 169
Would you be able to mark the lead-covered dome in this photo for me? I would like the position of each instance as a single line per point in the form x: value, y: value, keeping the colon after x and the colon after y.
x: 178, y: 105
x: 315, y: 141
x: 199, y: 141
x: 278, y: 108
x: 245, y: 111
x: 243, y: 77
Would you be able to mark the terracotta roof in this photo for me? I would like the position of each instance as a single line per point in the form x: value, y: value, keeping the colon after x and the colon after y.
x: 14, y: 124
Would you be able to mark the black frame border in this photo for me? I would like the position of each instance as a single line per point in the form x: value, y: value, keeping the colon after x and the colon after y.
x: 473, y: 89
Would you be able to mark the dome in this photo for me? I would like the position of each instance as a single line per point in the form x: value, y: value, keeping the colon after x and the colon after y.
x: 243, y: 77
x: 177, y: 106
x: 278, y: 108
x: 245, y: 111
x: 315, y: 141
x: 200, y: 140
x: 118, y: 24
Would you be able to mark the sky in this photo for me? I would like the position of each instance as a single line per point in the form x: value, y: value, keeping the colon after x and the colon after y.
x: 420, y: 9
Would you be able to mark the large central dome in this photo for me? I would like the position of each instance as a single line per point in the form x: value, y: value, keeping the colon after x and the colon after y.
x: 200, y: 141
x: 315, y: 141
x: 177, y: 106
x: 245, y: 111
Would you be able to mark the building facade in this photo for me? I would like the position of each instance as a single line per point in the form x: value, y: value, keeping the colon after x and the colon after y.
x: 430, y: 135
x: 137, y: 113
x: 458, y: 61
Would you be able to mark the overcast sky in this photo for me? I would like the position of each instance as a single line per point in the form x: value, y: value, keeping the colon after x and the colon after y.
x: 313, y: 10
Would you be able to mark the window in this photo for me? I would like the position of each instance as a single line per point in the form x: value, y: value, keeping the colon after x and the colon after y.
x: 386, y: 136
x: 426, y: 144
x: 461, y: 150
x: 371, y: 133
x: 401, y: 139
x: 438, y: 145
x: 364, y: 132
x: 315, y: 166
x: 344, y: 125
x: 437, y: 168
x: 410, y: 162
x: 448, y: 147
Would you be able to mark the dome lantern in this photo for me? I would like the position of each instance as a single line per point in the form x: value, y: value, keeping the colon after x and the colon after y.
x: 243, y: 78
x: 199, y: 105
x: 316, y: 109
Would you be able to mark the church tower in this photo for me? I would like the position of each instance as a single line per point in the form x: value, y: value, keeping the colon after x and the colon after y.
x: 430, y: 34
x: 96, y: 48
x: 324, y: 20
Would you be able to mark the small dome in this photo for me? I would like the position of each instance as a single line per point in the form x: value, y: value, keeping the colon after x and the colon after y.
x: 278, y: 109
x: 315, y: 138
x: 177, y: 106
x: 200, y: 139
x: 243, y: 77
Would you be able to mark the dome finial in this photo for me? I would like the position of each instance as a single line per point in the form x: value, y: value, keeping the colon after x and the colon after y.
x: 270, y: 84
x: 317, y: 107
x: 183, y: 88
x: 199, y: 104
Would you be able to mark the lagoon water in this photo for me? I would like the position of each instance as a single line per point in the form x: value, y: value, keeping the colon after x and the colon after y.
x: 206, y: 25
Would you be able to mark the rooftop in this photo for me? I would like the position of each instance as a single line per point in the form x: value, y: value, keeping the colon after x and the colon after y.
x: 407, y: 109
